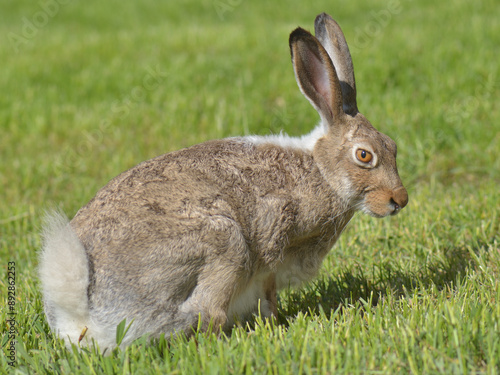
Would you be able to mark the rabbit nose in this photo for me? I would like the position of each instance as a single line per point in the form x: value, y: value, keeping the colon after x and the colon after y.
x: 399, y: 199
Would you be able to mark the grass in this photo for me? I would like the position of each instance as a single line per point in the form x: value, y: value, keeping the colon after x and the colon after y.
x: 93, y: 89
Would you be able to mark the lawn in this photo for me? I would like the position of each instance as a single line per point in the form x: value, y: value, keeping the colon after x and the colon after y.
x: 92, y: 89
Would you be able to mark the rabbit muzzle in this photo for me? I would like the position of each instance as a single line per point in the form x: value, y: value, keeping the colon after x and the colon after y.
x: 399, y: 199
x: 384, y: 202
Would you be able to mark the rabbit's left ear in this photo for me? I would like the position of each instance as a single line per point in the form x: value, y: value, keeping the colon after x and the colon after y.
x: 316, y: 76
x: 333, y: 40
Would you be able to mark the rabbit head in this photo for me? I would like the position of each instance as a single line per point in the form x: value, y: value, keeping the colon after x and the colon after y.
x: 357, y: 161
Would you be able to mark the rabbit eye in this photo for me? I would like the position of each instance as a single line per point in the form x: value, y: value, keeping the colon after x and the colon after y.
x: 364, y: 156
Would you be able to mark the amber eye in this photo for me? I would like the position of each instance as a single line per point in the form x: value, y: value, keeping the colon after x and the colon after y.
x: 364, y: 156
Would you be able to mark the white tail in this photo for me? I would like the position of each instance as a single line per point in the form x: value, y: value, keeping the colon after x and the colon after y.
x: 64, y: 274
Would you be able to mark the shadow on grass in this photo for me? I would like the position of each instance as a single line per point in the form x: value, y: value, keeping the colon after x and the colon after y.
x: 352, y: 285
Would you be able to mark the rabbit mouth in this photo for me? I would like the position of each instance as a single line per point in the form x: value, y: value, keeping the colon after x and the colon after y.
x: 381, y: 208
x: 396, y: 209
x: 372, y: 213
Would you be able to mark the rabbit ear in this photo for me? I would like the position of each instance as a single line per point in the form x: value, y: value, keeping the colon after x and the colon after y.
x: 316, y: 76
x: 332, y: 38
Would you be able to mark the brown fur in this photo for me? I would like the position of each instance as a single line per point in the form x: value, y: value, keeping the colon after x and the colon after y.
x: 214, y: 215
x: 207, y: 234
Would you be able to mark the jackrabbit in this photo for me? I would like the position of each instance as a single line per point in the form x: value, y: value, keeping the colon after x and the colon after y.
x: 204, y: 236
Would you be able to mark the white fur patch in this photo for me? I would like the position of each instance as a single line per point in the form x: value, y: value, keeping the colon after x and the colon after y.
x: 305, y: 142
x: 64, y: 276
x: 247, y: 301
x: 296, y: 271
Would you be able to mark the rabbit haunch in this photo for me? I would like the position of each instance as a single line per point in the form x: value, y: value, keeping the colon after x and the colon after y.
x: 211, y: 232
